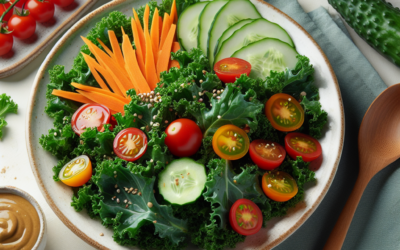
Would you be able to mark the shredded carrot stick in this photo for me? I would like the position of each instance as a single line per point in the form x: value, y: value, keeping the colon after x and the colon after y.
x: 174, y: 13
x: 165, y: 55
x: 123, y: 31
x: 116, y: 49
x: 165, y: 28
x: 132, y: 67
x: 92, y: 66
x: 139, y: 46
x: 93, y: 89
x: 108, y: 51
x: 160, y: 25
x: 108, y: 101
x: 155, y: 34
x: 140, y: 34
x: 71, y: 96
x: 146, y: 20
x: 150, y: 67
x: 174, y: 63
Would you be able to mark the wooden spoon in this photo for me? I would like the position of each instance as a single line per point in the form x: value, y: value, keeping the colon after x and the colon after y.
x: 378, y: 146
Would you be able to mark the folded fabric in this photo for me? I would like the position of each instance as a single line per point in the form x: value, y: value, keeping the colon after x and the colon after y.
x: 376, y: 224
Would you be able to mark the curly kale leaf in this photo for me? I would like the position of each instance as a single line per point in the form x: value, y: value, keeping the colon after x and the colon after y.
x: 3, y: 123
x: 87, y: 198
x: 224, y: 187
x: 7, y: 106
x: 134, y: 208
x: 316, y: 118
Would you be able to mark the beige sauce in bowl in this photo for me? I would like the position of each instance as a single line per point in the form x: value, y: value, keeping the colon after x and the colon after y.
x: 19, y: 223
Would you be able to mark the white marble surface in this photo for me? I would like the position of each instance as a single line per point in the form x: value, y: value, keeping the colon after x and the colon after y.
x: 14, y: 164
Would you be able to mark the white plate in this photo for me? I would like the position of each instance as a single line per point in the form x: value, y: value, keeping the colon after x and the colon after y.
x: 59, y: 196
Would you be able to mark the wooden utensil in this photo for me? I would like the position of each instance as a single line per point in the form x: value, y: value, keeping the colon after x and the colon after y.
x: 378, y: 146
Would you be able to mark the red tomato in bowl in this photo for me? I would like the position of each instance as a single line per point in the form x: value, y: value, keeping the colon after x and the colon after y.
x: 3, y: 8
x: 267, y: 154
x: 41, y: 11
x: 279, y: 186
x: 183, y: 137
x: 130, y: 144
x: 6, y: 43
x: 19, y: 4
x: 298, y: 144
x: 229, y: 69
x: 245, y: 217
x: 91, y: 115
x: 22, y: 27
x: 62, y: 3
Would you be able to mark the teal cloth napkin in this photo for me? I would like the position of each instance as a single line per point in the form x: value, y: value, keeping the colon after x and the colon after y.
x: 376, y: 223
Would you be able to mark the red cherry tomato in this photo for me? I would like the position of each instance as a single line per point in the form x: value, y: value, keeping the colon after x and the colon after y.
x: 245, y: 217
x: 90, y: 115
x: 298, y: 144
x: 267, y: 154
x: 3, y: 8
x: 62, y: 3
x: 130, y: 144
x: 284, y: 112
x: 229, y: 69
x: 22, y: 27
x: 183, y: 137
x: 6, y: 43
x: 279, y: 186
x: 19, y: 4
x: 41, y: 11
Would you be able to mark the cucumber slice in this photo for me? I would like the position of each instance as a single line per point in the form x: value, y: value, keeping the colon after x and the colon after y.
x: 266, y: 55
x: 231, y: 13
x: 182, y: 181
x: 205, y: 21
x: 227, y: 33
x: 188, y: 24
x: 249, y: 33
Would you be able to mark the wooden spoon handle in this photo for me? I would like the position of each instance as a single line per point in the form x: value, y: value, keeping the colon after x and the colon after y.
x: 339, y: 232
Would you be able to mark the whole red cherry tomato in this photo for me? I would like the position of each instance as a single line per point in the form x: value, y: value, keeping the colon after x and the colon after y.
x: 3, y: 8
x: 6, y: 43
x: 62, y: 3
x: 41, y: 10
x: 19, y: 4
x: 22, y: 27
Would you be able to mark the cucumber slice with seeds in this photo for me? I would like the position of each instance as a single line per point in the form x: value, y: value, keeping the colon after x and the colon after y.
x: 182, y: 181
x: 249, y: 33
x: 266, y: 55
x: 188, y: 24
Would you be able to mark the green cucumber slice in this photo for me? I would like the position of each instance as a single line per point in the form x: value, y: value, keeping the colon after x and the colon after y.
x: 182, y: 181
x: 231, y: 13
x: 227, y: 33
x: 188, y: 25
x: 249, y: 33
x: 266, y: 55
x: 205, y: 20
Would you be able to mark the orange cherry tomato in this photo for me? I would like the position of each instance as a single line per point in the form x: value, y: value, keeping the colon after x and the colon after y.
x: 76, y: 172
x: 230, y: 142
x: 229, y: 69
x: 279, y: 186
x: 284, y: 112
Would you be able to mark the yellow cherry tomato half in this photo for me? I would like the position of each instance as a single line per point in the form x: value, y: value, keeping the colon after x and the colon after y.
x: 279, y: 186
x: 230, y: 142
x: 76, y: 172
x: 284, y: 112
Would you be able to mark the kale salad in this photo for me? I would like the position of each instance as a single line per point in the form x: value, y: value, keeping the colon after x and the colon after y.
x: 185, y: 123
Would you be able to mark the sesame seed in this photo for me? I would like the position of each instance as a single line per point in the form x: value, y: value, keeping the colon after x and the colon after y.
x: 235, y: 181
x: 279, y: 156
x: 140, y: 116
x: 214, y: 95
x: 218, y: 97
x: 101, y: 234
x: 166, y: 121
x: 116, y: 186
x: 289, y: 99
x: 149, y: 204
x: 151, y: 123
x: 125, y: 201
x: 154, y: 221
x: 204, y: 71
x: 55, y: 133
x: 151, y: 160
x: 140, y: 193
x: 176, y: 90
x: 218, y: 92
x: 273, y: 145
x: 194, y: 97
x: 219, y: 117
x: 201, y: 81
x: 269, y: 185
x: 126, y: 189
x: 117, y: 200
x: 81, y: 142
x: 115, y: 172
x: 118, y: 191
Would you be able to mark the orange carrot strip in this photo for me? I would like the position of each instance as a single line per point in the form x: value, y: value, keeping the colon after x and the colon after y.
x: 139, y: 45
x: 165, y: 55
x: 71, y: 96
x: 116, y: 49
x: 132, y: 67
x: 141, y: 34
x: 165, y: 28
x: 108, y: 51
x: 93, y: 89
x: 150, y: 67
x: 146, y: 21
x: 174, y: 13
x: 160, y: 25
x: 155, y: 34
x: 174, y: 63
x: 123, y: 31
x: 108, y: 101
x: 92, y: 66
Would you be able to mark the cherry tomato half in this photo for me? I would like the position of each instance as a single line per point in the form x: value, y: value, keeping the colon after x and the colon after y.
x: 19, y: 4
x: 298, y: 144
x: 279, y: 186
x: 91, y: 115
x: 183, y: 137
x: 41, y: 11
x: 3, y: 8
x: 62, y: 3
x: 130, y: 144
x: 22, y: 27
x: 230, y: 142
x: 76, y: 172
x: 267, y: 154
x: 229, y: 69
x: 284, y: 112
x: 6, y: 43
x: 245, y: 217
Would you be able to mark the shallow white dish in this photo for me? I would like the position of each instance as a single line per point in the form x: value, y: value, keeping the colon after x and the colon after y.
x: 59, y: 196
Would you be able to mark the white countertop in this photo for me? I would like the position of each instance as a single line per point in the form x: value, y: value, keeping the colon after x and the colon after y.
x: 15, y: 168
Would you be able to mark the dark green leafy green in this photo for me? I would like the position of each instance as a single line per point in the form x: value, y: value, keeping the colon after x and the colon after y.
x: 7, y: 106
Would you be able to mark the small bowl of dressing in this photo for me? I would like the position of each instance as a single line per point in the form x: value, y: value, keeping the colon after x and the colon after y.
x: 22, y: 222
